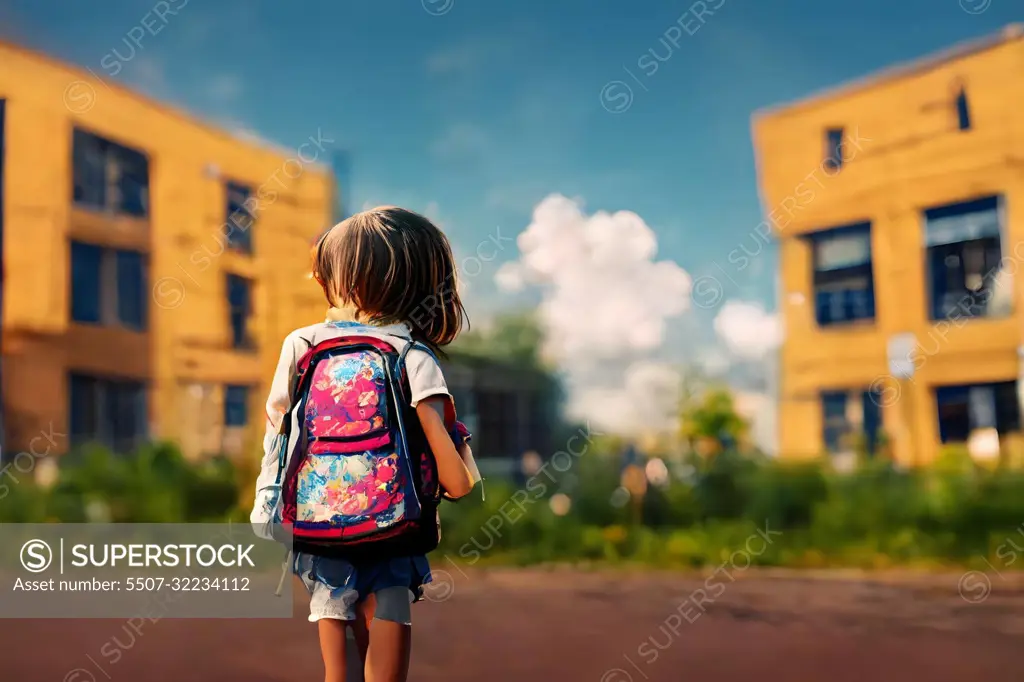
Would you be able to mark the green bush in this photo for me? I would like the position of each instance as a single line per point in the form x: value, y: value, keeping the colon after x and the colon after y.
x: 876, y: 517
x: 953, y: 513
x: 155, y: 484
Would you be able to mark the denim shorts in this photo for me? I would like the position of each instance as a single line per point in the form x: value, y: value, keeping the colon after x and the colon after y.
x: 336, y: 586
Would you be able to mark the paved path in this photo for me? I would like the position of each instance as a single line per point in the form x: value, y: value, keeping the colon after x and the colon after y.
x: 505, y: 626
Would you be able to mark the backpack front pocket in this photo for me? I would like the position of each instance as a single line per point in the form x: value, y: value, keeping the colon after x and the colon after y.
x: 350, y: 492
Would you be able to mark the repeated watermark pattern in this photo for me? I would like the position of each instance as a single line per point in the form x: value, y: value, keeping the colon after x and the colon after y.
x: 708, y: 290
x: 118, y: 645
x: 437, y: 8
x: 25, y: 462
x: 169, y: 292
x: 886, y: 389
x: 693, y: 606
x: 442, y: 585
x: 975, y: 6
x: 80, y: 95
x: 617, y: 95
x: 976, y: 586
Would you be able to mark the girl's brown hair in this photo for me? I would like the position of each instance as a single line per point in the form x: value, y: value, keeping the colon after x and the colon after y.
x: 392, y: 265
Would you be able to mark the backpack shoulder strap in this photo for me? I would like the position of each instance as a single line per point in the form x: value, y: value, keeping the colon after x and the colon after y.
x: 402, y: 375
x: 409, y: 343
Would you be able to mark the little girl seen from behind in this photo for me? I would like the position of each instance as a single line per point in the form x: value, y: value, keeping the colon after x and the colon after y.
x: 362, y: 438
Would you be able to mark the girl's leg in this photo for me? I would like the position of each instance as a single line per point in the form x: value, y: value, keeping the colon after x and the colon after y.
x: 332, y: 647
x: 358, y: 642
x: 387, y: 659
x: 361, y: 627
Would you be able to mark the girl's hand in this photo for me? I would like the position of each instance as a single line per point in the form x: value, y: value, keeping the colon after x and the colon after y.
x: 452, y: 471
x: 460, y: 434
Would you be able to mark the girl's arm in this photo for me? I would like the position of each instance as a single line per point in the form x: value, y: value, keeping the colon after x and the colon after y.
x: 278, y: 405
x: 452, y: 472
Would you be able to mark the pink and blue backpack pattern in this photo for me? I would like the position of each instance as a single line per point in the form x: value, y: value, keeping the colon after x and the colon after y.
x: 354, y: 480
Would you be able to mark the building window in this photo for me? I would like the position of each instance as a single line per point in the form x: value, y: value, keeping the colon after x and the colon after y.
x: 108, y: 286
x: 109, y: 412
x: 240, y: 217
x: 835, y: 424
x: 239, y: 291
x: 834, y: 148
x: 130, y: 270
x: 236, y: 405
x: 963, y: 112
x: 498, y: 420
x: 108, y: 176
x: 963, y: 409
x: 837, y: 427
x: 964, y: 250
x: 86, y: 282
x: 843, y: 284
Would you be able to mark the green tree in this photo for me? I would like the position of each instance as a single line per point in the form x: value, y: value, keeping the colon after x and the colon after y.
x: 514, y: 338
x: 711, y: 417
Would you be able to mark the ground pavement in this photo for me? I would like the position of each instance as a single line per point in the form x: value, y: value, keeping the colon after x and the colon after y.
x: 527, y: 625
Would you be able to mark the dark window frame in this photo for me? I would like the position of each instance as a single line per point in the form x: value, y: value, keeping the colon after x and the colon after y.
x: 836, y: 427
x: 85, y: 283
x: 111, y: 306
x: 834, y: 137
x: 108, y: 176
x: 946, y: 300
x: 117, y: 411
x: 238, y: 219
x: 498, y: 422
x: 236, y: 405
x: 239, y: 311
x: 830, y: 278
x: 953, y: 402
x: 872, y: 419
x: 963, y: 109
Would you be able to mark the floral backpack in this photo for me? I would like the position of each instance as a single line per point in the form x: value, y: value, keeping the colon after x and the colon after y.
x: 361, y: 479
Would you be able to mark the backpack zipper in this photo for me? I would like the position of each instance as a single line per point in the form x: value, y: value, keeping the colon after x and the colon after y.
x: 349, y: 439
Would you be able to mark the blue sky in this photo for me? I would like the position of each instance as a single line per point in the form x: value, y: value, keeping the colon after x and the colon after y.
x: 478, y: 113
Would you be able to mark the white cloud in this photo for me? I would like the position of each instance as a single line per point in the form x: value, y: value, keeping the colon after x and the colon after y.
x: 605, y: 304
x: 748, y: 330
x: 603, y: 294
x: 510, y: 278
x: 645, y: 401
x: 714, y: 361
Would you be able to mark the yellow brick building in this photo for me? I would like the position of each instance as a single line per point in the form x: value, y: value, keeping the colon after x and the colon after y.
x: 902, y: 250
x: 152, y: 264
